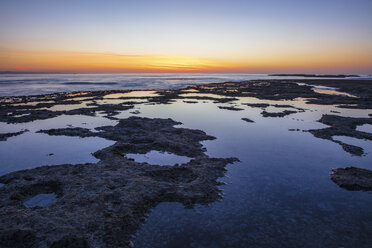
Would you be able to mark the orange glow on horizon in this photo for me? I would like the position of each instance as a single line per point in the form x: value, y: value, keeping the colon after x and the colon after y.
x: 105, y: 62
x: 91, y: 62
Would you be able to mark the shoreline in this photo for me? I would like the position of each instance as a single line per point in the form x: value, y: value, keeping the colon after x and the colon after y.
x: 344, y: 83
x: 39, y: 84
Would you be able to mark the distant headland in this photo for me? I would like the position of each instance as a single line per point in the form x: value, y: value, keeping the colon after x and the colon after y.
x: 315, y: 75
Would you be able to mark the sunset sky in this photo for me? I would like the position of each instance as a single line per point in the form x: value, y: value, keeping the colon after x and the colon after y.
x: 259, y: 36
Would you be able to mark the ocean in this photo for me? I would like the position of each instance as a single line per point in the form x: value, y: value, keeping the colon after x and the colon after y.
x: 32, y: 84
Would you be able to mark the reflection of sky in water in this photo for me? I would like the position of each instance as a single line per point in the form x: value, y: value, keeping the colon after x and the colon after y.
x: 159, y: 158
x: 30, y: 150
x: 279, y: 195
x: 333, y: 92
x: 61, y: 107
x: 41, y: 200
x: 149, y: 93
x: 61, y: 121
x: 327, y: 90
x: 21, y: 115
x: 365, y: 128
x: 280, y: 192
x: 119, y: 101
x: 31, y: 103
x: 363, y: 143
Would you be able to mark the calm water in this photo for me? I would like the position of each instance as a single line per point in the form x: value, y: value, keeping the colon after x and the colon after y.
x: 30, y: 84
x: 279, y: 195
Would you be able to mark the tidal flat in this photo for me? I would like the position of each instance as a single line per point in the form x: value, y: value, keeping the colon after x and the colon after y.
x: 260, y: 163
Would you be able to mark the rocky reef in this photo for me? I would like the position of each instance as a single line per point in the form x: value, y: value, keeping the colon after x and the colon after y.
x: 343, y: 126
x: 352, y: 178
x: 103, y: 204
x: 277, y: 114
x: 38, y: 107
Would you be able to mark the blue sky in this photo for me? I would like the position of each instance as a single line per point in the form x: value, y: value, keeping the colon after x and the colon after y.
x: 239, y: 32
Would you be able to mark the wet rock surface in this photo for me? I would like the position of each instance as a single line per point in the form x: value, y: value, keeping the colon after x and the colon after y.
x: 277, y: 114
x: 257, y: 105
x: 103, y: 204
x: 343, y: 126
x: 289, y: 90
x: 30, y: 108
x: 193, y: 102
x: 141, y: 135
x: 5, y: 136
x: 230, y: 108
x: 42, y: 114
x: 283, y: 113
x: 247, y: 120
x: 352, y: 178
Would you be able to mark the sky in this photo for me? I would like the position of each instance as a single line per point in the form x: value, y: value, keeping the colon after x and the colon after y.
x: 257, y: 36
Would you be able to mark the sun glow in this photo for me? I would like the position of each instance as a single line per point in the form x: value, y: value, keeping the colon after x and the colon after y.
x: 95, y: 62
x: 107, y: 62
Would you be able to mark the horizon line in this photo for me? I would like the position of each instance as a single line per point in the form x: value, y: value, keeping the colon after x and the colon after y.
x: 273, y: 73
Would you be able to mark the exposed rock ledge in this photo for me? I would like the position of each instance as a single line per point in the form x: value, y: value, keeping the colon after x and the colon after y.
x: 5, y: 136
x: 343, y: 126
x: 352, y: 178
x: 103, y: 204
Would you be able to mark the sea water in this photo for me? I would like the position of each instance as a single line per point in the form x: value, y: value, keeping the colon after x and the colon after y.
x: 278, y: 195
x: 31, y: 84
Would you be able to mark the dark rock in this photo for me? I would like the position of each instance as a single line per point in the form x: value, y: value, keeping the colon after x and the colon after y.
x: 185, y: 101
x: 70, y: 241
x: 105, y: 203
x: 141, y: 135
x: 18, y: 238
x: 230, y: 108
x: 247, y: 120
x: 354, y: 150
x: 15, y: 197
x: 5, y: 136
x: 343, y: 126
x: 277, y: 114
x: 257, y: 105
x: 352, y: 178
